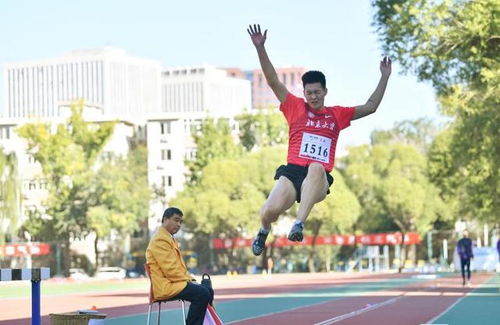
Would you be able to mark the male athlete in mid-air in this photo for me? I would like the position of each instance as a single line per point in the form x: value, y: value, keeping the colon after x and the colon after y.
x: 313, y: 134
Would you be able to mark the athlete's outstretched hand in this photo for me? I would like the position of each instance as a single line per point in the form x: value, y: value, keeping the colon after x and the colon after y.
x: 258, y: 39
x: 386, y: 66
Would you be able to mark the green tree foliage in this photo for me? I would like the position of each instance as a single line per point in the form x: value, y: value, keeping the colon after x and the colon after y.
x: 10, y: 194
x: 67, y: 156
x: 213, y: 140
x: 391, y: 182
x: 228, y: 197
x: 455, y: 44
x: 121, y: 196
x: 230, y: 193
x: 262, y: 129
x: 418, y: 133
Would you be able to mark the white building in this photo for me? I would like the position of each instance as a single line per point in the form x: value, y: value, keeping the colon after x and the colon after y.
x: 189, y: 95
x: 205, y: 90
x: 116, y: 84
x: 160, y: 106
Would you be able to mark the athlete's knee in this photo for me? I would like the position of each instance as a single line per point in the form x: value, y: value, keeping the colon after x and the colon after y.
x: 316, y: 170
x: 270, y: 211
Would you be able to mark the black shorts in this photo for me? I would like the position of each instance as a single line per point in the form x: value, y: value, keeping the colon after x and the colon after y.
x: 296, y: 175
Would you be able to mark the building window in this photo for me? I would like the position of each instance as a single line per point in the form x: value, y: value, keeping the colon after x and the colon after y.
x: 43, y: 184
x: 166, y: 181
x: 166, y: 154
x: 165, y: 128
x: 292, y: 78
x: 32, y: 185
x: 5, y: 132
x: 284, y: 78
x: 31, y: 159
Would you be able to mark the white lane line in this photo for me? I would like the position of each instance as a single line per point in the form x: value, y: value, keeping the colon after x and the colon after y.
x: 446, y: 310
x: 274, y: 313
x: 359, y: 311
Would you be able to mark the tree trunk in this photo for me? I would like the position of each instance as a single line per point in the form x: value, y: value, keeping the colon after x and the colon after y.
x: 316, y: 226
x: 403, y: 253
x: 66, y: 256
x: 96, y: 251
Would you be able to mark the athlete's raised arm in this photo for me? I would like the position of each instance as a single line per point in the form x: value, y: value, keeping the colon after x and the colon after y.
x: 375, y: 99
x: 258, y: 40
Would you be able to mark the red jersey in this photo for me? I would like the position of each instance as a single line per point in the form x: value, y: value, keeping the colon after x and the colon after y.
x: 313, y: 134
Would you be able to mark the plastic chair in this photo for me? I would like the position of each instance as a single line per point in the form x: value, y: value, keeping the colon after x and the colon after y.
x: 152, y: 300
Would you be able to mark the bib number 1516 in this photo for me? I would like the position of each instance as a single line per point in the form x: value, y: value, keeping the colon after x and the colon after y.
x: 315, y: 147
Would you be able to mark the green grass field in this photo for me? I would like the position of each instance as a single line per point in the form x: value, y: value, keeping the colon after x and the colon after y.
x: 23, y: 288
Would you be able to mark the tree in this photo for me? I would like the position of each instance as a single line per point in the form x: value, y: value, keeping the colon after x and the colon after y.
x: 213, y: 141
x: 265, y: 128
x: 391, y: 183
x: 68, y: 159
x: 121, y: 196
x: 455, y: 45
x: 228, y: 197
x: 418, y: 133
x: 229, y: 194
x: 10, y: 194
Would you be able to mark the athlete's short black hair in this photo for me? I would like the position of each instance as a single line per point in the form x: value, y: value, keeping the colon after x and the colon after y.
x: 313, y: 76
x: 169, y: 213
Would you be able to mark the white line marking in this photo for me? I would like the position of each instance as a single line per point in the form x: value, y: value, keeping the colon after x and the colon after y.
x: 359, y: 311
x: 446, y: 310
x: 274, y: 313
x: 459, y: 300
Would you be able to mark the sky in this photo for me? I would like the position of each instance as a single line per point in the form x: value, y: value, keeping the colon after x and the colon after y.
x: 333, y: 36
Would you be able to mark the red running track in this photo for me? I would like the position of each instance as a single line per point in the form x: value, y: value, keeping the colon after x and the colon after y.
x: 412, y: 304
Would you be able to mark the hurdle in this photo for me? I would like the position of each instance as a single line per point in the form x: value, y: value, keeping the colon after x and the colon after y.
x: 35, y: 275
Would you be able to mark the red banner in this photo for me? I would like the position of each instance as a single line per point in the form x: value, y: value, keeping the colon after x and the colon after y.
x: 394, y: 238
x: 32, y: 249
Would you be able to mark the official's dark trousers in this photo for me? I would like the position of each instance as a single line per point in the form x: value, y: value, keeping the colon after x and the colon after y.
x: 199, y: 297
x: 465, y: 263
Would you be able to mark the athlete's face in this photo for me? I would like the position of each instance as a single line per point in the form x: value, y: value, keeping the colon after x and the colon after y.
x: 315, y: 95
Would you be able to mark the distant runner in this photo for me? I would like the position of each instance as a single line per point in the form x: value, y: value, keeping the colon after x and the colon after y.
x: 464, y: 250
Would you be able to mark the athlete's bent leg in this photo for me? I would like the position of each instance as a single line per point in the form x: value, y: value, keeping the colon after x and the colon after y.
x: 282, y: 197
x: 313, y: 190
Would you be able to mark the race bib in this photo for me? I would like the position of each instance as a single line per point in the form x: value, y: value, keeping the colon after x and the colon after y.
x: 315, y: 147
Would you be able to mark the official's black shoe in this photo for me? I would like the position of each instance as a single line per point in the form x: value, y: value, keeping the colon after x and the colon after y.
x: 259, y: 243
x: 296, y: 232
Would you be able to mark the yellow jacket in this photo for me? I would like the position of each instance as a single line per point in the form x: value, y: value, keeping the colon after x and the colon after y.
x: 169, y: 275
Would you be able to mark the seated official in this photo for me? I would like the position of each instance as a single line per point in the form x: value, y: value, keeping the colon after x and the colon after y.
x: 169, y: 275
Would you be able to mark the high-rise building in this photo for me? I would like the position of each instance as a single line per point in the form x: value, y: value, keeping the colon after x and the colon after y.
x: 262, y: 95
x: 107, y: 79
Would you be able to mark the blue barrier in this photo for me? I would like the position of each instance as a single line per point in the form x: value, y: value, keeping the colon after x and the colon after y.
x: 35, y: 275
